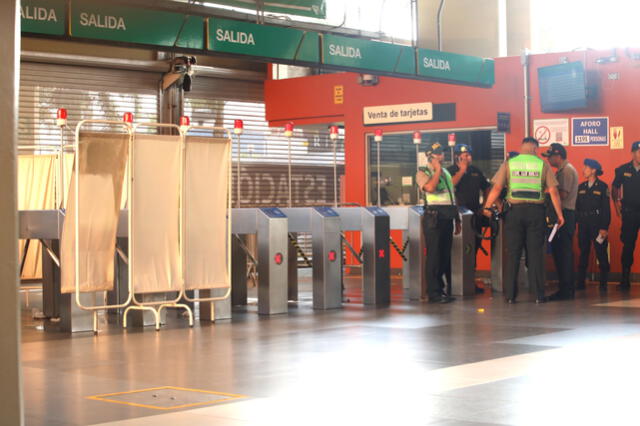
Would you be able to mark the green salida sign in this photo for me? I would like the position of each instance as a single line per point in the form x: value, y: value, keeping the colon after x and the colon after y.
x: 454, y: 67
x: 97, y: 20
x: 245, y: 38
x: 310, y: 8
x: 43, y: 16
x: 367, y: 55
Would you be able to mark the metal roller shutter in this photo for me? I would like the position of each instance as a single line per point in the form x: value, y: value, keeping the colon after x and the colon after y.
x: 86, y: 93
x: 264, y: 150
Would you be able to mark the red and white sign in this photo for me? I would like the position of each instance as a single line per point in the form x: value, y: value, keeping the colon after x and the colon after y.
x: 551, y: 131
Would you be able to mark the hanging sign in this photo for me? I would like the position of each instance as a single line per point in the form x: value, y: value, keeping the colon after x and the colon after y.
x: 310, y: 8
x: 551, y: 131
x: 592, y: 131
x: 43, y: 16
x: 245, y: 38
x: 367, y: 55
x: 455, y: 67
x: 100, y: 20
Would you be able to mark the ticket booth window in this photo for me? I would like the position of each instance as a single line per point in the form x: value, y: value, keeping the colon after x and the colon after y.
x: 399, y: 161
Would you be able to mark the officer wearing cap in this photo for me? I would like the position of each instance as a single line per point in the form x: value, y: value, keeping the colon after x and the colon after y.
x: 626, y: 198
x: 526, y: 178
x: 593, y: 215
x: 470, y: 183
x: 562, y: 243
x: 438, y: 222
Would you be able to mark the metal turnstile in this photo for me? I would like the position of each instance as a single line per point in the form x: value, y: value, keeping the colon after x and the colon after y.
x: 498, y: 263
x: 271, y: 227
x: 323, y: 223
x: 408, y: 219
x: 463, y: 258
x: 373, y: 223
x: 46, y: 226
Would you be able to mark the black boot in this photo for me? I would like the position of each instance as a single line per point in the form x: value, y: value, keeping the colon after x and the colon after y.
x: 582, y: 277
x: 625, y: 282
x: 604, y: 279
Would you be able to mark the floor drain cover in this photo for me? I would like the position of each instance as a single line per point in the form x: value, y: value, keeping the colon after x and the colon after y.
x: 166, y: 398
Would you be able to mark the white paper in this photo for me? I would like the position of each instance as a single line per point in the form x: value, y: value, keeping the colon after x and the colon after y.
x: 553, y: 232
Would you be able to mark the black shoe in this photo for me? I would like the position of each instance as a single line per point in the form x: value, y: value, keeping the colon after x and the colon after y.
x: 511, y: 301
x: 625, y: 282
x: 556, y: 296
x: 442, y: 300
x: 541, y: 300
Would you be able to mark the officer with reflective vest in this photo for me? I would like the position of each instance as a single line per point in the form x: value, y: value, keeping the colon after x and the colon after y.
x: 626, y: 197
x: 593, y: 214
x: 438, y: 222
x: 526, y: 178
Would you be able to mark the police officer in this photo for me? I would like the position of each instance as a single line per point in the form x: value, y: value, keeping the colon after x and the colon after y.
x: 626, y: 197
x: 470, y: 183
x: 526, y: 178
x: 593, y: 215
x: 562, y: 243
x: 438, y: 222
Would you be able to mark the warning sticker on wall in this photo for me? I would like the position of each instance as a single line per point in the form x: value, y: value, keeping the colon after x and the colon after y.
x: 551, y: 131
x: 616, y: 135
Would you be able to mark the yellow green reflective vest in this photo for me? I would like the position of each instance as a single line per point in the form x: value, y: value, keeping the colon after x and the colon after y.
x: 443, y: 196
x: 525, y: 178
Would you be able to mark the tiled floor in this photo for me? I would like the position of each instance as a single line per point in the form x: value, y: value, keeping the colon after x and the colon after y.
x: 475, y: 362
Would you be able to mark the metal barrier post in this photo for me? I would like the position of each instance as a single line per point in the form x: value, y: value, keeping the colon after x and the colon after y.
x: 327, y: 258
x: 463, y: 258
x: 416, y: 263
x: 376, y: 269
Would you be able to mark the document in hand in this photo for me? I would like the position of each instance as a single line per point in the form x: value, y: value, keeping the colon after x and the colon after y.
x: 553, y: 232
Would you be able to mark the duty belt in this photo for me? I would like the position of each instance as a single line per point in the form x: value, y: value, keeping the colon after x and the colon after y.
x: 588, y: 213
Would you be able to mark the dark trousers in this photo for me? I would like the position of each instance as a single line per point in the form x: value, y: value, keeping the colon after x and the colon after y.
x: 587, y: 234
x: 438, y: 237
x: 562, y: 250
x: 629, y: 235
x: 524, y: 227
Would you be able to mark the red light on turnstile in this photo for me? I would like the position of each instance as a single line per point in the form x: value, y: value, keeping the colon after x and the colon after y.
x: 333, y: 132
x: 61, y: 117
x: 332, y: 256
x: 128, y: 117
x: 378, y: 135
x: 185, y: 121
x: 238, y: 127
x: 381, y: 254
x: 417, y: 138
x: 452, y: 139
x: 278, y: 258
x: 288, y: 129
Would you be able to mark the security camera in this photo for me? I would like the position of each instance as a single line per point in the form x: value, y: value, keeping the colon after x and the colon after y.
x: 367, y: 80
x: 180, y: 72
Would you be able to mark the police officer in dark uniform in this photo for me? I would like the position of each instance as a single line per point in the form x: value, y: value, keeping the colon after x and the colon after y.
x: 438, y: 222
x: 470, y: 183
x: 593, y: 214
x: 626, y: 198
x: 526, y: 178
